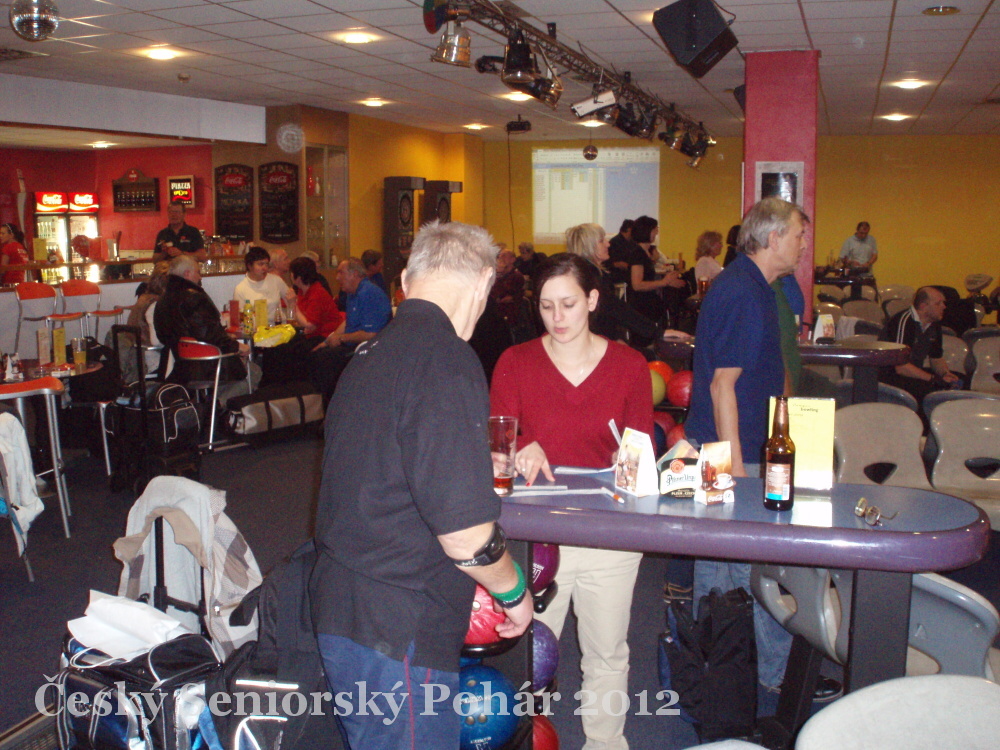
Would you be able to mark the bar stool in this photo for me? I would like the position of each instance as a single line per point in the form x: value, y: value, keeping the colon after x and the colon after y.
x: 85, y: 293
x: 50, y: 388
x: 192, y: 350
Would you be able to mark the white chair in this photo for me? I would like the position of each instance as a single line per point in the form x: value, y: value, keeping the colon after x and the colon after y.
x: 869, y: 292
x: 865, y: 309
x: 828, y: 308
x: 986, y: 377
x: 955, y: 353
x: 893, y: 305
x: 967, y: 433
x: 879, y: 433
x: 900, y: 291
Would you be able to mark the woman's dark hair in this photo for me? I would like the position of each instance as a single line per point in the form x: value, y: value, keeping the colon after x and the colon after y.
x: 583, y: 272
x: 733, y: 237
x: 255, y: 253
x: 305, y: 270
x: 18, y: 234
x: 642, y: 230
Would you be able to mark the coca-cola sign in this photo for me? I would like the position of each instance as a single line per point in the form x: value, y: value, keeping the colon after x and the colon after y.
x: 83, y: 203
x: 234, y: 181
x: 51, y: 203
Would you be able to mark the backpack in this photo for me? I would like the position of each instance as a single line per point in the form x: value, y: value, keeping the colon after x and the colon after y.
x: 173, y: 422
x: 286, y: 655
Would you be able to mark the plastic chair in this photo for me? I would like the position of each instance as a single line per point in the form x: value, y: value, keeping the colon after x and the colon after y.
x: 899, y: 291
x: 955, y: 353
x: 191, y: 350
x: 918, y: 713
x: 970, y: 338
x: 828, y: 308
x: 865, y: 309
x: 986, y: 377
x: 931, y: 401
x: 887, y: 394
x: 880, y: 433
x: 967, y: 432
x: 36, y: 302
x: 869, y: 292
x: 85, y: 297
x: 49, y: 388
x: 894, y: 305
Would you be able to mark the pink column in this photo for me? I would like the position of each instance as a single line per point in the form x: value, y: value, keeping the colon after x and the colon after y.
x: 781, y: 121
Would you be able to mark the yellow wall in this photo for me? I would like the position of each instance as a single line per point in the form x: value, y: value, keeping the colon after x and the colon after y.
x: 933, y: 202
x: 379, y: 149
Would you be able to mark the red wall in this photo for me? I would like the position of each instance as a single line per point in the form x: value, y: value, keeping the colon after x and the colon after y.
x: 139, y: 228
x: 85, y: 171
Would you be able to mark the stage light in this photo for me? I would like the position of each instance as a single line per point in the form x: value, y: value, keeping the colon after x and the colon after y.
x: 455, y: 47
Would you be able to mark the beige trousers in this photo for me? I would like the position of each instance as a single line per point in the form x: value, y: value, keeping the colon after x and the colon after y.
x: 599, y: 583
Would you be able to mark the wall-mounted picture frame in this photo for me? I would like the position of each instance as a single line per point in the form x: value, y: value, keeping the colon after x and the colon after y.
x: 783, y: 179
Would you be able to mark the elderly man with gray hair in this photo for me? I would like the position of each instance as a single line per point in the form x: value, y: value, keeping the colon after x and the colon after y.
x: 406, y: 523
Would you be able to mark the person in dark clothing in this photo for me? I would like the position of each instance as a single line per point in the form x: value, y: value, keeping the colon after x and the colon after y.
x: 619, y: 251
x: 528, y: 261
x: 646, y: 291
x: 731, y: 240
x: 372, y: 260
x: 186, y: 310
x: 178, y: 238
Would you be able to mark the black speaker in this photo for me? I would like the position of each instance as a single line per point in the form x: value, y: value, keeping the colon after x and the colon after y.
x: 695, y: 33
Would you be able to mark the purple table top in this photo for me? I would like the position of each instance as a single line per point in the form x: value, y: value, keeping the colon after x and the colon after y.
x: 931, y: 532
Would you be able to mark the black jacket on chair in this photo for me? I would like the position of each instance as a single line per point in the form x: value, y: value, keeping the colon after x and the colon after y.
x: 185, y: 309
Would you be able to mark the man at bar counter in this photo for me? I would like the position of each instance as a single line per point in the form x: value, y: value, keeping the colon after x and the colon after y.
x: 407, y: 517
x: 178, y: 237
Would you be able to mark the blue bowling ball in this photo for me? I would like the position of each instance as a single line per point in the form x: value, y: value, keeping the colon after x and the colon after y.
x: 544, y: 655
x: 486, y: 708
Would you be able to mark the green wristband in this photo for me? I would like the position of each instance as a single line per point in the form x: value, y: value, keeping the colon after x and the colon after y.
x: 514, y: 593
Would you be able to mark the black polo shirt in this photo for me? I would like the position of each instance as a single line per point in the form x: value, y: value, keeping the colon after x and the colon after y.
x: 188, y: 239
x: 406, y: 460
x: 904, y: 328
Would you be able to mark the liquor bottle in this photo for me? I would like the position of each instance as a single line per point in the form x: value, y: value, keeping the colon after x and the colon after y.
x: 279, y: 314
x: 779, y: 469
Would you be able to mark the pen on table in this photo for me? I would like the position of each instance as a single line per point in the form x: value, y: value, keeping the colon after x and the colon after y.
x: 613, y: 495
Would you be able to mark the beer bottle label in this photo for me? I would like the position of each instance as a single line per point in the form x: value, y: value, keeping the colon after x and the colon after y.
x: 778, y: 482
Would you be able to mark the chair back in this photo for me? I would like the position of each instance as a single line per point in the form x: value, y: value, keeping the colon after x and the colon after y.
x: 198, y: 351
x: 809, y: 608
x: 893, y: 305
x: 955, y: 353
x: 967, y: 432
x: 35, y: 300
x: 898, y: 291
x: 879, y: 433
x: 80, y: 295
x: 887, y: 394
x: 986, y: 377
x: 869, y: 292
x: 865, y: 309
x: 828, y: 308
x: 931, y: 711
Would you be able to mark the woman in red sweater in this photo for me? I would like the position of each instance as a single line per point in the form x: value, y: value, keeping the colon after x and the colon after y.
x: 12, y: 252
x: 564, y: 388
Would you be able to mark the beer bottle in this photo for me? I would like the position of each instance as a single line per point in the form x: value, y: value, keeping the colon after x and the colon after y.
x: 779, y: 468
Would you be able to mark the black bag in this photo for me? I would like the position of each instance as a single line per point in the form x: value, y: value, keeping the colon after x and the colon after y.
x: 104, y: 384
x: 286, y: 653
x: 173, y: 422
x: 275, y: 407
x: 711, y: 664
x: 130, y: 705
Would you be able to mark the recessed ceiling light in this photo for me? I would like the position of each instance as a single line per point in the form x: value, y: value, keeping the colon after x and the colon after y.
x: 941, y: 10
x: 357, y: 37
x: 162, y: 53
x: 910, y: 83
x: 475, y: 126
x: 518, y: 96
x: 101, y: 144
x: 896, y: 117
x: 374, y: 102
x: 591, y: 123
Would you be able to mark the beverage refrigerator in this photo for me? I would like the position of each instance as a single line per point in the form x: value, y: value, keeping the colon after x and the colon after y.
x: 51, y: 226
x: 83, y: 208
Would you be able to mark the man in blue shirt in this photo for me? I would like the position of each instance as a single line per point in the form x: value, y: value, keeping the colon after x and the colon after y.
x: 737, y: 368
x: 368, y: 312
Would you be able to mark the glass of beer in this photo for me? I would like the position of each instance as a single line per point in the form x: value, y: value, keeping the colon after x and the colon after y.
x: 79, y: 356
x: 503, y: 446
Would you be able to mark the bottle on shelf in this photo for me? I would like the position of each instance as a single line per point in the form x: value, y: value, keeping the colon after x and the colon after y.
x: 779, y: 469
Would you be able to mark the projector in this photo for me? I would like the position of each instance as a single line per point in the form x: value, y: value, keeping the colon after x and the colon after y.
x: 518, y: 125
x: 594, y: 103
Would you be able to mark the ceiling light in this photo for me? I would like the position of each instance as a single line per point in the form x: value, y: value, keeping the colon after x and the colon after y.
x: 517, y: 96
x: 357, y: 37
x: 162, y: 53
x: 910, y: 83
x: 522, y: 72
x: 373, y: 102
x: 596, y: 102
x: 591, y: 123
x: 635, y: 121
x: 896, y: 117
x: 940, y: 10
x: 455, y: 47
x: 475, y: 126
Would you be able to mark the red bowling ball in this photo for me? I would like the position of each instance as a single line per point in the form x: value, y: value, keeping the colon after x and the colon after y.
x: 665, y: 420
x: 483, y: 620
x: 675, y: 434
x: 543, y: 733
x: 679, y: 388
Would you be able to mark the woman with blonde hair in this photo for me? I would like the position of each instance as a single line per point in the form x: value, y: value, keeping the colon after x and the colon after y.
x: 708, y: 248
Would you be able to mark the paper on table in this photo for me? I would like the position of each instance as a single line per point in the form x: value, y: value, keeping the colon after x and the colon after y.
x: 578, y: 470
x: 529, y: 491
x: 122, y: 627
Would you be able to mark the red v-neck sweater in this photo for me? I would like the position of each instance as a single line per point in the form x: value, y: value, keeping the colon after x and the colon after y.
x: 571, y: 423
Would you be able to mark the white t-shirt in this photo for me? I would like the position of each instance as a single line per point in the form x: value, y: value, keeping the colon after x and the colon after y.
x: 272, y: 288
x: 707, y: 267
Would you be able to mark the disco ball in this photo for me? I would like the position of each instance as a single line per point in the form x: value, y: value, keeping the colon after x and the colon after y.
x: 34, y: 20
x: 590, y: 152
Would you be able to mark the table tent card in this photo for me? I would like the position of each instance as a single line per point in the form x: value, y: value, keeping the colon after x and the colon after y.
x: 679, y: 471
x: 715, y: 478
x: 635, y: 470
x: 810, y: 426
x: 825, y: 328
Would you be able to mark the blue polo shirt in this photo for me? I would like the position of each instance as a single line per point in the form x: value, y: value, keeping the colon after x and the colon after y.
x: 368, y: 309
x: 738, y: 327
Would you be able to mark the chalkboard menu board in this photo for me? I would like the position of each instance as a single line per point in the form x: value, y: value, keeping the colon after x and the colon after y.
x: 234, y: 201
x: 279, y: 202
